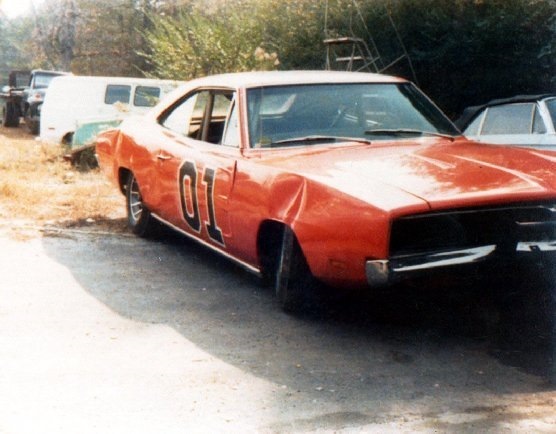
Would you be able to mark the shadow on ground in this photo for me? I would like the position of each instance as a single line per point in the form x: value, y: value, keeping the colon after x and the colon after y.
x: 355, y: 352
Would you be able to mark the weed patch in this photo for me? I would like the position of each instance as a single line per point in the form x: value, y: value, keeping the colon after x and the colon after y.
x: 38, y: 187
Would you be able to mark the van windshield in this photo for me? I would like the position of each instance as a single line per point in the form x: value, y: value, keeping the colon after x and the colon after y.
x: 42, y: 81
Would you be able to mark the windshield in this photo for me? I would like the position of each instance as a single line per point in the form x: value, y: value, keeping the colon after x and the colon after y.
x: 42, y: 81
x: 286, y: 115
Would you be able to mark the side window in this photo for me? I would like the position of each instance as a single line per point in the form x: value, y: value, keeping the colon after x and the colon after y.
x: 551, y: 106
x: 473, y: 128
x: 185, y: 118
x: 231, y: 132
x: 195, y: 125
x: 146, y: 96
x: 216, y: 117
x: 538, y: 124
x: 201, y: 116
x: 509, y: 119
x: 117, y: 93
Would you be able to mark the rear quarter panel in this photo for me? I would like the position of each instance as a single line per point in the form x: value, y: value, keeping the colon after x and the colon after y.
x: 106, y: 144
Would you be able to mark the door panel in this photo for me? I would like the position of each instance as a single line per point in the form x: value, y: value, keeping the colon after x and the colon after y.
x: 194, y: 172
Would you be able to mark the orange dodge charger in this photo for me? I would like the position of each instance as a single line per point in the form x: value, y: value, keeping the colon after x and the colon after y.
x: 349, y: 179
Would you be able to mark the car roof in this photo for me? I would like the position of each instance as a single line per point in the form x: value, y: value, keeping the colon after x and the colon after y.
x: 277, y: 78
x: 50, y: 72
x: 470, y: 112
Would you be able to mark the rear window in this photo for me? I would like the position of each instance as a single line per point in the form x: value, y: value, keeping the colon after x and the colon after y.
x: 509, y: 119
x: 146, y: 96
x: 117, y: 93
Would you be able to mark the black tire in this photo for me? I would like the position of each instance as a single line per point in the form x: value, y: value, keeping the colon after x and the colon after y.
x: 293, y: 282
x: 10, y: 116
x: 139, y: 218
x: 67, y: 140
x: 32, y: 126
x: 32, y: 119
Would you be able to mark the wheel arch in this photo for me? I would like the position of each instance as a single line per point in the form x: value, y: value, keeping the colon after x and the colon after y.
x: 67, y: 138
x: 123, y: 176
x: 269, y: 239
x: 268, y: 244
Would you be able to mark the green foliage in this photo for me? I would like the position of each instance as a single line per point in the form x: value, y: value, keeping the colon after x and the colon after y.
x: 464, y: 52
x: 196, y: 43
x: 109, y: 35
x: 467, y: 52
x: 294, y: 29
x: 15, y: 48
x: 238, y: 35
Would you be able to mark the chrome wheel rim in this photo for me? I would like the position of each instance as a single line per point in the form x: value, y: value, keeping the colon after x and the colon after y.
x: 135, y: 202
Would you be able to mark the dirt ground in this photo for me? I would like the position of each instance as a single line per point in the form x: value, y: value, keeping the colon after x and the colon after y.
x: 103, y: 332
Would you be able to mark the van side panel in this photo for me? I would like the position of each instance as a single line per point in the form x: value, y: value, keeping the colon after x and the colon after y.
x: 72, y: 100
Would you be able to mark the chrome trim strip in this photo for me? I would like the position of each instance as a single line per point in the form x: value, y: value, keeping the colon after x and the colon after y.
x: 239, y: 262
x: 380, y: 272
x: 377, y: 272
x: 443, y: 259
x: 536, y: 246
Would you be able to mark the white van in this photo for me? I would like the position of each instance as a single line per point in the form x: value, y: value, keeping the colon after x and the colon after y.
x: 73, y: 99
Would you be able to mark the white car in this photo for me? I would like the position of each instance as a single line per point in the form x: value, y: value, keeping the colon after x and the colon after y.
x: 527, y: 121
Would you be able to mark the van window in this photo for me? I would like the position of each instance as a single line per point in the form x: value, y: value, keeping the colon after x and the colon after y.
x: 146, y: 96
x: 117, y: 93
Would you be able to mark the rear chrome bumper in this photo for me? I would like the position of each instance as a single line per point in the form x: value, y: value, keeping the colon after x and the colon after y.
x: 385, y: 271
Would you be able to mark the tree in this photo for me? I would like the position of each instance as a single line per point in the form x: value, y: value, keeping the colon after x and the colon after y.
x: 198, y: 42
x: 54, y: 35
x: 95, y: 37
x: 468, y: 52
x: 15, y: 48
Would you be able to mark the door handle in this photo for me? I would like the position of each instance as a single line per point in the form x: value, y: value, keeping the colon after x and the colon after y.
x: 164, y: 157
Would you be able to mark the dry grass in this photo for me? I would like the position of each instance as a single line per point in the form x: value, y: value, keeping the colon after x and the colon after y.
x: 38, y: 188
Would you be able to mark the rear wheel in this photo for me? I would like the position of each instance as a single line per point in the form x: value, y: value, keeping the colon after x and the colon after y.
x: 139, y: 218
x: 293, y: 281
x: 10, y: 116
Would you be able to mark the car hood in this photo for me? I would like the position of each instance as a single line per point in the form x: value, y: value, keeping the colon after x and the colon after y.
x: 428, y: 174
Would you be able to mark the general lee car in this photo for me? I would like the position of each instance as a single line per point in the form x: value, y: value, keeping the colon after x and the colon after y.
x: 349, y: 179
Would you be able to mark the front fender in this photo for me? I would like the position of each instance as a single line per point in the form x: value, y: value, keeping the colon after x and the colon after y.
x: 337, y: 233
x: 288, y: 195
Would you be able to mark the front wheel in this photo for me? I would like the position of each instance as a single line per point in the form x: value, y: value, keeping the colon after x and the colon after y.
x: 32, y: 126
x: 139, y: 218
x: 293, y: 280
